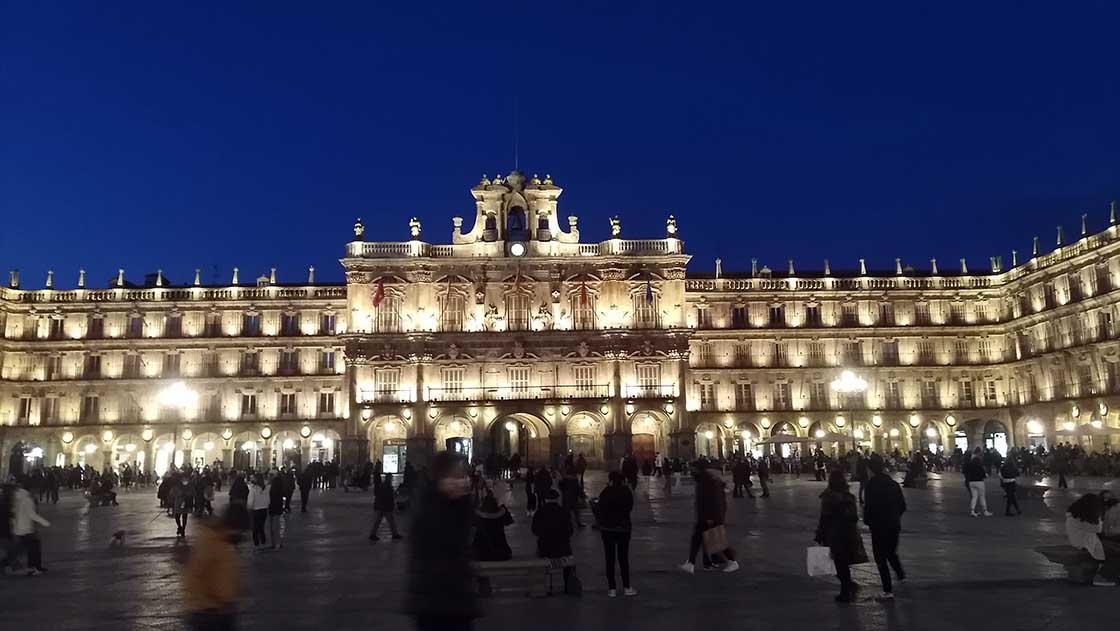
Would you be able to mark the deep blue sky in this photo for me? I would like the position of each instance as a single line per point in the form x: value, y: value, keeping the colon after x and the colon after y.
x: 174, y: 136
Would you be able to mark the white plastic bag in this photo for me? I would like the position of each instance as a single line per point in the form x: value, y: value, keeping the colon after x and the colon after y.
x: 818, y: 561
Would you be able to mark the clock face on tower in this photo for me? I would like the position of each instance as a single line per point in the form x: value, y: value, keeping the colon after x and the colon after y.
x: 517, y: 249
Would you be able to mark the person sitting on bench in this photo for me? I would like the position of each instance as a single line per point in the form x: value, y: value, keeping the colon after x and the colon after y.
x: 552, y: 525
x: 1083, y: 529
x: 490, y: 521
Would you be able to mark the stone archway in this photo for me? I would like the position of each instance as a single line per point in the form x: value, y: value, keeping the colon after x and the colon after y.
x: 585, y: 436
x: 388, y: 434
x: 647, y: 435
x: 520, y: 433
x: 456, y: 433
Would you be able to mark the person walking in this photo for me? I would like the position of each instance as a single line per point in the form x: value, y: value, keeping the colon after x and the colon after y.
x: 616, y: 502
x: 764, y: 475
x: 384, y: 505
x: 440, y: 592
x: 862, y: 475
x: 629, y: 470
x: 182, y: 502
x: 740, y: 476
x: 581, y: 469
x: 837, y: 530
x: 305, y: 483
x: 211, y: 579
x: 974, y: 476
x: 570, y: 494
x: 711, y: 507
x: 277, y: 505
x: 530, y: 492
x: 1009, y: 480
x: 883, y: 507
x: 23, y: 520
x: 239, y: 491
x: 258, y: 501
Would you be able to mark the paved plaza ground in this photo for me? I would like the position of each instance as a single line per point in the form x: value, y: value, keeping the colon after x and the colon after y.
x: 965, y: 572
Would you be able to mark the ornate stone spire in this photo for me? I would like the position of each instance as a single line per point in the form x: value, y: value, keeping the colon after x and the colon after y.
x: 120, y: 277
x: 964, y: 266
x: 1034, y: 250
x: 827, y: 268
x: 862, y: 267
x: 50, y: 279
x: 1014, y: 258
x: 272, y: 277
x: 719, y: 267
x: 1060, y: 236
x: 235, y: 271
x: 311, y: 275
x: 13, y: 279
x: 81, y: 279
x: 1084, y: 224
x: 197, y: 277
x: 754, y: 268
x: 159, y: 278
x: 933, y: 266
x: 898, y: 266
x: 791, y: 272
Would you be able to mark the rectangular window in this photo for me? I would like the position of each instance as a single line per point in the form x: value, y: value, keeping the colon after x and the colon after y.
x: 926, y: 354
x: 173, y: 326
x: 781, y: 396
x: 965, y: 392
x: 50, y: 409
x: 92, y: 368
x: 816, y: 353
x: 583, y: 311
x: 645, y: 311
x: 703, y: 354
x: 649, y: 380
x: 289, y: 362
x: 327, y: 323
x: 326, y: 404
x: 1085, y: 379
x: 23, y: 414
x: 584, y: 377
x: 517, y: 312
x: 890, y: 352
x: 251, y: 324
x: 986, y: 350
x: 132, y: 366
x: 518, y: 379
x: 707, y: 396
x: 213, y: 326
x: 777, y: 315
x: 136, y: 327
x: 849, y: 314
x: 288, y: 404
x: 91, y: 410
x: 388, y: 384
x: 212, y: 406
x: 704, y: 318
x: 95, y: 328
x: 289, y: 324
x: 893, y: 395
x: 744, y: 396
x: 956, y: 313
x: 171, y: 365
x: 739, y: 318
x: 813, y: 315
x: 53, y: 368
x: 781, y: 354
x: 961, y: 353
x: 326, y: 362
x: 453, y: 380
x: 743, y: 354
x: 921, y: 314
x: 248, y: 405
x: 451, y: 313
x: 55, y: 330
x: 853, y: 355
x: 929, y: 394
x: 818, y: 396
x: 250, y: 364
x: 388, y: 315
x: 983, y: 312
x: 990, y: 391
x: 886, y: 314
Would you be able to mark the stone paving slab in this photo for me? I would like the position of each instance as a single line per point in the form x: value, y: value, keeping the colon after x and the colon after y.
x: 965, y: 572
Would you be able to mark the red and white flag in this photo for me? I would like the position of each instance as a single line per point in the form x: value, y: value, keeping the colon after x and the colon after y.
x: 379, y: 295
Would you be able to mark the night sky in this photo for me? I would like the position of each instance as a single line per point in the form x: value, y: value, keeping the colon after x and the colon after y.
x: 176, y: 137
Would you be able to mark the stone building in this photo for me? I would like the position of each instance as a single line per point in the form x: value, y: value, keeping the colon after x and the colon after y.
x: 516, y: 337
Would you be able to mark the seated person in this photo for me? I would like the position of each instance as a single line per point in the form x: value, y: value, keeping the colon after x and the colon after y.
x: 490, y: 521
x: 553, y: 527
x: 1083, y: 529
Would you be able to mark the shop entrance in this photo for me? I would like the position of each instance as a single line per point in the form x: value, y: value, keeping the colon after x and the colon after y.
x: 462, y: 446
x: 394, y: 455
x: 643, y: 447
x: 995, y: 437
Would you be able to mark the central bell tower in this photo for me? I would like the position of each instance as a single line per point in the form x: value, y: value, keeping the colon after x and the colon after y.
x: 515, y: 211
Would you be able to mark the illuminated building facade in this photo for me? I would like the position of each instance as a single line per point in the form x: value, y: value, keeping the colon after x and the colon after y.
x: 518, y: 338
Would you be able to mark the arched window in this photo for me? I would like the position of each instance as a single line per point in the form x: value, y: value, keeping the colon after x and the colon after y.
x: 516, y: 225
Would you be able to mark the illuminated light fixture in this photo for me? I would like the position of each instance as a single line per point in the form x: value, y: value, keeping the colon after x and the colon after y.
x: 1068, y: 425
x: 950, y: 420
x: 857, y: 434
x: 266, y: 432
x: 1034, y: 427
x: 248, y: 446
x: 932, y: 433
x: 511, y: 426
x: 406, y: 413
x: 532, y: 433
x: 517, y: 249
x: 227, y: 433
x: 318, y: 438
x: 367, y: 414
x: 746, y: 435
x: 168, y: 448
x: 629, y: 408
x: 549, y: 411
x: 1096, y: 423
x: 728, y: 423
x: 177, y: 395
x: 1075, y: 411
x: 849, y: 383
x: 709, y: 434
x: 147, y: 435
x: 668, y: 408
x: 208, y: 445
x: 604, y: 409
x: 388, y: 426
x: 820, y: 433
x: 877, y: 420
x: 289, y: 443
x: 188, y: 434
x: 803, y: 422
x: 90, y: 448
x: 915, y: 421
x: 473, y: 412
x: 67, y: 437
x: 433, y: 413
x: 765, y: 422
x: 894, y: 433
x: 305, y: 431
x: 1103, y: 409
x: 35, y: 453
x: 841, y: 421
x: 565, y: 410
x: 107, y: 436
x: 130, y: 447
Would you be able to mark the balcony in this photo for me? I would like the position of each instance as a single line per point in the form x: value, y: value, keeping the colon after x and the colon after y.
x: 511, y: 393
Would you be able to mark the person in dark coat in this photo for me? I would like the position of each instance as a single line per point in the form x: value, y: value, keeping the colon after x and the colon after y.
x: 862, y: 476
x: 542, y: 482
x: 570, y: 493
x: 490, y: 521
x: 239, y: 491
x: 553, y: 529
x: 530, y: 492
x: 440, y: 592
x: 613, y: 512
x: 1009, y: 480
x: 711, y: 509
x: 581, y: 469
x: 838, y: 530
x: 882, y: 512
x: 384, y: 506
x: 306, y: 481
x: 276, y: 524
x: 739, y: 476
x: 630, y: 471
x: 764, y: 475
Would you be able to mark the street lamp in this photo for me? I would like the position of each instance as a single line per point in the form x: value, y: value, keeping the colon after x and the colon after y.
x: 848, y: 384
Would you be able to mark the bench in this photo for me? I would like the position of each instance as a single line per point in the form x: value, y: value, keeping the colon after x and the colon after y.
x: 1080, y: 566
x: 541, y: 574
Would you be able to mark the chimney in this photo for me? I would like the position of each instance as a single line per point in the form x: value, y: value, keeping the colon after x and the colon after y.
x: 719, y: 267
x: 754, y: 268
x: 791, y: 267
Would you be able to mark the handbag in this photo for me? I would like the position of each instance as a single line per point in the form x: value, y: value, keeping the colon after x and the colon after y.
x: 859, y: 552
x: 818, y: 561
x: 715, y: 539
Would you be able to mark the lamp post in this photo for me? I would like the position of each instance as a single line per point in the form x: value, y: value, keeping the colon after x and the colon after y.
x: 847, y: 384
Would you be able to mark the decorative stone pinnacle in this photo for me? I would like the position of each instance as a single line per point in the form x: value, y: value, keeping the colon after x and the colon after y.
x: 81, y: 278
x: 197, y: 277
x: 50, y: 279
x: 359, y: 230
x: 311, y: 275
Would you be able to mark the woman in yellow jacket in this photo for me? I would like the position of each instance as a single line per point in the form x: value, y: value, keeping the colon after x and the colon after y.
x: 212, y: 580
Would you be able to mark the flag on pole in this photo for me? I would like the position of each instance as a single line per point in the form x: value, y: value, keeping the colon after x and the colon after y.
x: 379, y: 295
x: 583, y: 293
x: 649, y: 288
